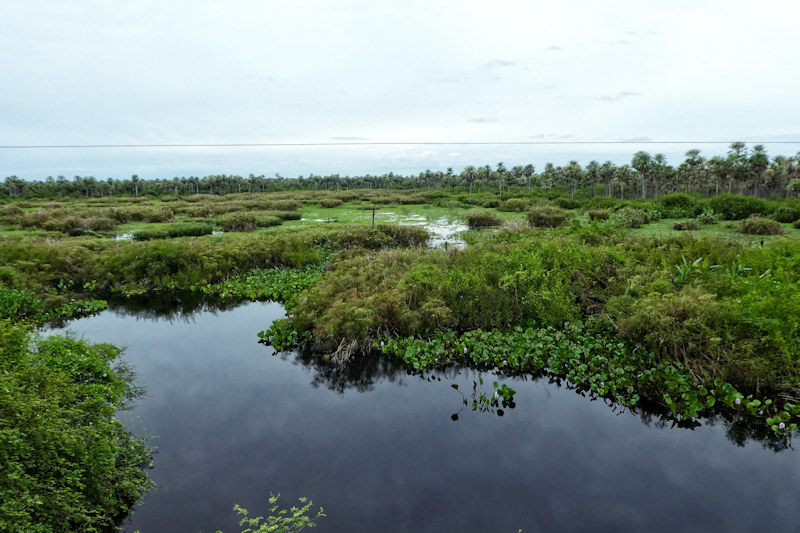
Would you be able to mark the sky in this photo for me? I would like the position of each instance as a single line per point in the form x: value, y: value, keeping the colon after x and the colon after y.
x: 299, y: 72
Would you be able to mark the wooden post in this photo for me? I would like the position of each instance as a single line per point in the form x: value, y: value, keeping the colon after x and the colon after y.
x: 373, y: 218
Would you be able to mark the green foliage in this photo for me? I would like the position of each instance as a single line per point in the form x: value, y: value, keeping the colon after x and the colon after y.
x: 631, y: 217
x: 179, y: 229
x: 598, y: 215
x: 756, y: 225
x: 786, y: 214
x: 733, y: 207
x: 403, y: 235
x: 685, y: 225
x: 514, y: 205
x: 567, y: 203
x: 279, y: 520
x: 547, y: 217
x: 247, y: 221
x: 67, y: 463
x: 590, y: 357
x: 482, y: 219
x: 281, y: 284
x: 329, y: 202
x: 708, y: 216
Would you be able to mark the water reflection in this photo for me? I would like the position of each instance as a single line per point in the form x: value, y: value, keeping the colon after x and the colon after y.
x: 363, y: 374
x: 376, y: 444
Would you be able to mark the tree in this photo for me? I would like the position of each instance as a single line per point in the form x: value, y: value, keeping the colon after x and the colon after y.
x: 135, y: 180
x: 642, y: 163
x: 758, y: 162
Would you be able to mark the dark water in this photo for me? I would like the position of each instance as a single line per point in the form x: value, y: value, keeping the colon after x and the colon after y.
x: 379, y: 450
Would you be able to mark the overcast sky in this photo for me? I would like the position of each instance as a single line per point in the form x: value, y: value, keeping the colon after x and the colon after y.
x: 301, y: 71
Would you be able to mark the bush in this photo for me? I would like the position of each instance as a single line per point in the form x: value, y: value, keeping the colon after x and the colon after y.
x: 598, y: 215
x: 482, y: 219
x: 547, y: 217
x: 684, y: 225
x: 405, y: 235
x: 678, y: 205
x: 68, y: 464
x: 165, y: 231
x: 329, y: 202
x: 514, y: 205
x: 756, y: 225
x: 244, y: 221
x: 734, y: 207
x: 708, y: 216
x: 786, y: 214
x: 630, y: 217
x: 567, y: 203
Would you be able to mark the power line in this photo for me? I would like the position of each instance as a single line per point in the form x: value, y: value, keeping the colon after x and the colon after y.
x: 372, y: 143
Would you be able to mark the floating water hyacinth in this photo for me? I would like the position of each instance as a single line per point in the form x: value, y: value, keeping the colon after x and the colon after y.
x: 737, y: 401
x: 381, y: 344
x: 781, y: 426
x: 465, y: 350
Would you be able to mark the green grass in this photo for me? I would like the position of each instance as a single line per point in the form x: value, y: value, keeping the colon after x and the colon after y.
x: 726, y: 229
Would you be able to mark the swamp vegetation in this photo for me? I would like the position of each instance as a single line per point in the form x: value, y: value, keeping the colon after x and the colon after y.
x: 685, y: 302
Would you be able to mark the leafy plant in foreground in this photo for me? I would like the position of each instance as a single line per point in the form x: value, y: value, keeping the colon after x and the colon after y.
x: 279, y: 520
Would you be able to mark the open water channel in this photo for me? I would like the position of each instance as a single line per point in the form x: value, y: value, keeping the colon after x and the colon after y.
x: 380, y: 449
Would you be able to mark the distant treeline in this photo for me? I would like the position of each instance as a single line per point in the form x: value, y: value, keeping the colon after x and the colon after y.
x: 742, y: 171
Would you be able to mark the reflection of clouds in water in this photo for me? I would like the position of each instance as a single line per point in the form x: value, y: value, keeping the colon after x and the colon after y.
x: 443, y: 230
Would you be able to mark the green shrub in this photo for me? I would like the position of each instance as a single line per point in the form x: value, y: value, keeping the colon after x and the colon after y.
x: 403, y: 235
x: 329, y: 202
x: 489, y: 202
x: 68, y: 463
x: 786, y: 214
x: 98, y: 224
x: 631, y: 217
x: 684, y: 225
x: 756, y: 225
x: 547, y: 217
x: 514, y: 205
x: 286, y: 215
x: 165, y: 231
x: 734, y: 207
x: 708, y: 216
x: 598, y: 215
x: 482, y: 219
x: 567, y: 203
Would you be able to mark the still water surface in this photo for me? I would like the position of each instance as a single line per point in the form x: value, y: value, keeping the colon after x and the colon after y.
x: 380, y: 451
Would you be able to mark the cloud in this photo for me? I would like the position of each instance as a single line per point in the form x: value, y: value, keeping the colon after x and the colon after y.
x: 499, y: 63
x: 620, y: 41
x: 617, y: 97
x: 482, y: 120
x: 454, y: 154
x: 425, y: 153
x: 637, y: 139
x: 553, y: 48
x: 346, y: 138
x: 642, y: 33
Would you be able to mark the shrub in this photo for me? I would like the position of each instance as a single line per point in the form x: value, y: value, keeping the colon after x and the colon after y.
x: 786, y: 214
x: 684, y: 225
x: 567, y: 203
x: 403, y: 235
x: 482, y: 219
x: 598, y: 215
x: 708, y: 216
x: 547, y: 217
x: 630, y: 217
x: 98, y: 224
x: 678, y: 205
x: 514, y: 205
x: 286, y: 215
x: 756, y: 225
x: 734, y: 207
x: 68, y: 464
x: 165, y: 231
x: 489, y: 202
x: 329, y: 202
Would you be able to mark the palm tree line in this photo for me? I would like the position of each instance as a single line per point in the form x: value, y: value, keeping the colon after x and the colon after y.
x: 741, y: 171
